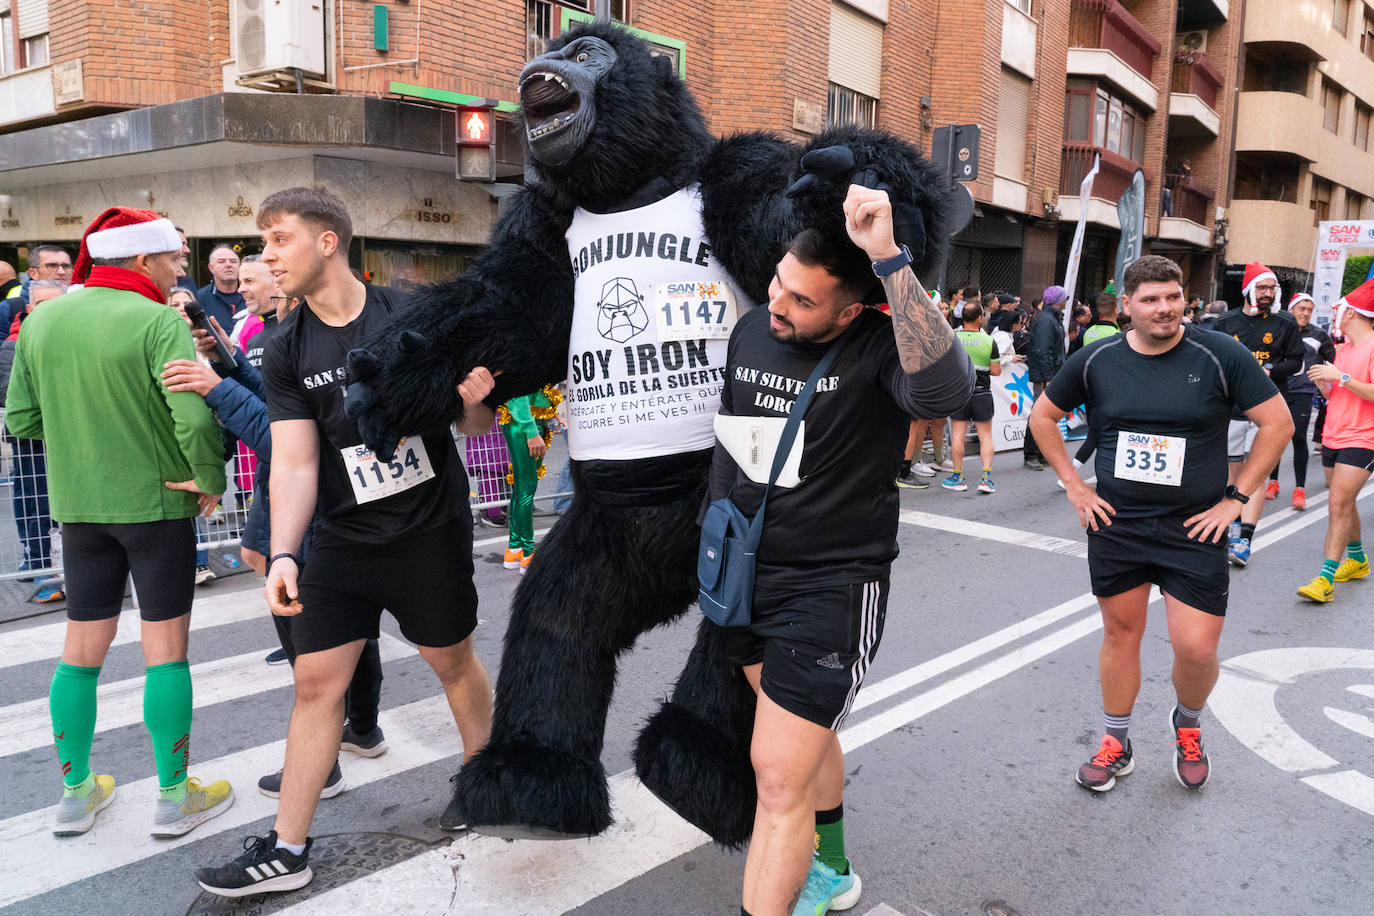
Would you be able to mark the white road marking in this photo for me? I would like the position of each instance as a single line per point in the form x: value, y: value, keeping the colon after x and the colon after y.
x: 28, y: 725
x: 1011, y: 536
x: 1364, y: 690
x: 1349, y: 786
x: 504, y: 538
x: 32, y: 644
x: 36, y: 861
x: 1357, y: 723
x: 489, y: 875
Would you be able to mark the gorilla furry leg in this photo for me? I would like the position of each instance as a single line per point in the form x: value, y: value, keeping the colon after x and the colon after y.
x: 694, y: 752
x: 601, y: 577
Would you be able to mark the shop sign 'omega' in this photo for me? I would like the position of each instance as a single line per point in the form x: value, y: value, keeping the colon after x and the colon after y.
x: 10, y: 221
x: 240, y: 210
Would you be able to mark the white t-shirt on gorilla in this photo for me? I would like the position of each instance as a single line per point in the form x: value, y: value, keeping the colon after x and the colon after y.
x: 652, y: 314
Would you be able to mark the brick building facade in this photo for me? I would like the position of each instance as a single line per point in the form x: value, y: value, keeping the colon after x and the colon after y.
x: 157, y: 96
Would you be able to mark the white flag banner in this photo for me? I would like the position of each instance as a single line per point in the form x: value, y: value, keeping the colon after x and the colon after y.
x: 1335, y: 240
x: 1076, y: 250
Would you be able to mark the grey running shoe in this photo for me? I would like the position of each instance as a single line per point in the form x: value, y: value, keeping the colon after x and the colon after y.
x: 77, y: 815
x: 263, y: 868
x: 368, y: 744
x: 270, y: 785
x: 1110, y: 761
x: 200, y: 805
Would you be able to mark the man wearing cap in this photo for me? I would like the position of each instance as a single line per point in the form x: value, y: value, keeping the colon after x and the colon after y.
x: 1043, y: 360
x: 129, y: 466
x: 1317, y: 348
x: 1274, y: 340
x: 1347, y: 442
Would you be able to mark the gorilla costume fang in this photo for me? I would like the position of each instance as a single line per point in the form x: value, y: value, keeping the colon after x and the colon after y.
x: 621, y: 270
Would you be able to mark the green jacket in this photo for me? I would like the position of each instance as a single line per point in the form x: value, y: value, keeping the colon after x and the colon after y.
x: 86, y: 380
x: 521, y: 417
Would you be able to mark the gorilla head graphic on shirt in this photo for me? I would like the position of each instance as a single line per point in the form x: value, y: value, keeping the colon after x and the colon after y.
x: 620, y: 311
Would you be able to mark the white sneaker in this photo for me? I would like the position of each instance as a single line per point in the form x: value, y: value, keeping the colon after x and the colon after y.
x: 921, y: 469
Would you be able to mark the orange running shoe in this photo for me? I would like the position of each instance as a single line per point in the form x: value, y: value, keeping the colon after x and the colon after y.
x: 1271, y: 490
x: 514, y: 559
x: 1190, y: 761
x: 525, y: 563
x: 1299, y: 498
x: 1112, y: 760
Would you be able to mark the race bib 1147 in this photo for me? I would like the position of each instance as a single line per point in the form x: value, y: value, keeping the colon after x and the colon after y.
x: 694, y: 311
x: 1148, y: 458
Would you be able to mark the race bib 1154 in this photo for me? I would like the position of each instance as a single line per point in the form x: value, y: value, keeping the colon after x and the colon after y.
x: 373, y: 479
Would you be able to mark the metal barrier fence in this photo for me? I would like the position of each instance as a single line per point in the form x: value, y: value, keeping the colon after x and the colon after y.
x: 31, y: 544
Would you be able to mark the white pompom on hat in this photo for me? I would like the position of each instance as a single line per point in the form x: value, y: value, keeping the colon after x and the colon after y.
x: 124, y: 232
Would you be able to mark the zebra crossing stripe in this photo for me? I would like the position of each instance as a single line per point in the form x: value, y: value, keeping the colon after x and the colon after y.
x: 34, y: 644
x: 37, y: 862
x: 28, y: 725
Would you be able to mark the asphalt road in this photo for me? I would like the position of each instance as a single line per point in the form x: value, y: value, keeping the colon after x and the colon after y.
x: 961, y: 751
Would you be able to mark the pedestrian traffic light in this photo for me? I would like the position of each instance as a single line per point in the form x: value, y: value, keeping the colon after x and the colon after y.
x: 475, y: 126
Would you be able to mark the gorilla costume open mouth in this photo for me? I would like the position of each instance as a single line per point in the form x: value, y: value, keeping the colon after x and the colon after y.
x: 557, y: 96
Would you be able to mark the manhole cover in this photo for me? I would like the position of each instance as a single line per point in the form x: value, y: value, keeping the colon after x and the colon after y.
x: 336, y: 859
x: 999, y: 908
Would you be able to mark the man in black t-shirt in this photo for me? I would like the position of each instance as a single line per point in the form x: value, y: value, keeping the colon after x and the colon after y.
x: 830, y: 529
x: 394, y: 535
x: 1272, y: 337
x: 1159, y: 399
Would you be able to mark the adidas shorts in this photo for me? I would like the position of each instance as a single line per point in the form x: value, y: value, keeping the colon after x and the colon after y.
x: 815, y: 645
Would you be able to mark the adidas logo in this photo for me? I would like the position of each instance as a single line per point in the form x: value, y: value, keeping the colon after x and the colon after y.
x: 830, y: 661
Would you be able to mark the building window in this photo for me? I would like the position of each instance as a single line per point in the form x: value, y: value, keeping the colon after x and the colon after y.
x: 36, y: 50
x: 1321, y: 199
x: 7, y: 61
x: 1367, y: 35
x: 845, y: 107
x: 1340, y: 15
x: 1013, y: 125
x: 1363, y: 114
x: 1354, y: 205
x: 1113, y: 125
x: 1022, y: 5
x: 620, y: 10
x: 1331, y: 104
x: 541, y: 20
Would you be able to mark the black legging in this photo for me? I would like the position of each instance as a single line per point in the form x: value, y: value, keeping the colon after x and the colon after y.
x: 1300, y: 406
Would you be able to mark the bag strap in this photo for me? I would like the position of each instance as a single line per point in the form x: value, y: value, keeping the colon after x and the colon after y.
x: 789, y: 430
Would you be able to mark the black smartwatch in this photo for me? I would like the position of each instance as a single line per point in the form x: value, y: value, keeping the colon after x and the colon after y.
x: 893, y: 264
x: 1233, y: 493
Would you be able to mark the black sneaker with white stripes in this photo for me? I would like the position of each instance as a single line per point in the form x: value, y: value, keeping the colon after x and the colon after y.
x: 262, y: 869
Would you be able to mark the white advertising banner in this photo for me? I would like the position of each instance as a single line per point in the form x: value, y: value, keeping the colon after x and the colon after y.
x: 1011, y: 399
x: 1335, y: 239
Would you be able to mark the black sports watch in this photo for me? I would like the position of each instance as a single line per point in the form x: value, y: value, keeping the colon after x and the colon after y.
x: 1233, y: 493
x: 893, y: 264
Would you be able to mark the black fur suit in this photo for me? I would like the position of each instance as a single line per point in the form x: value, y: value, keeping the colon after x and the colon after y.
x: 609, y: 128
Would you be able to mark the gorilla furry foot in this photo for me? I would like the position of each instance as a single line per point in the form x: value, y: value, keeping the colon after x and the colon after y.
x: 523, y: 791
x: 702, y: 774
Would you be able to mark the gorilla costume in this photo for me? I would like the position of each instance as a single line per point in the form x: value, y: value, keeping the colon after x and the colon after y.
x: 620, y: 270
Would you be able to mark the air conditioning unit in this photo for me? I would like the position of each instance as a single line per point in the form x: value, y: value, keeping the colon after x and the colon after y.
x: 273, y: 35
x: 1193, y: 41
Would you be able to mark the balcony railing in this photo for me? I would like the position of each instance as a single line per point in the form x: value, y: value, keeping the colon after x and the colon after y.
x: 1108, y: 25
x: 1113, y: 177
x: 1194, y: 73
x: 1190, y: 201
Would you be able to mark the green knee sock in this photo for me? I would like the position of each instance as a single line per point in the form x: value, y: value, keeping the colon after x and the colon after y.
x: 167, y: 713
x: 71, y: 701
x: 1328, y: 571
x: 830, y: 839
x: 1356, y: 551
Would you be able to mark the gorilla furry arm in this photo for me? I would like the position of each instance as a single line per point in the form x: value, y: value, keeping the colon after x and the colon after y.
x: 511, y: 312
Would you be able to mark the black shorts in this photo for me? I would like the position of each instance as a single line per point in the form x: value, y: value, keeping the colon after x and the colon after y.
x: 815, y: 646
x: 1356, y: 457
x: 424, y: 580
x: 978, y: 408
x: 1132, y: 551
x: 97, y: 559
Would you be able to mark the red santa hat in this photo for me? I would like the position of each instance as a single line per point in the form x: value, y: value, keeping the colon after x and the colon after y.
x: 1299, y: 297
x: 123, y: 232
x: 1255, y: 272
x: 1360, y: 299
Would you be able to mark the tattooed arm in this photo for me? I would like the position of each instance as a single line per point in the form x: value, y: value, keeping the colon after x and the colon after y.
x: 927, y: 376
x: 923, y: 335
